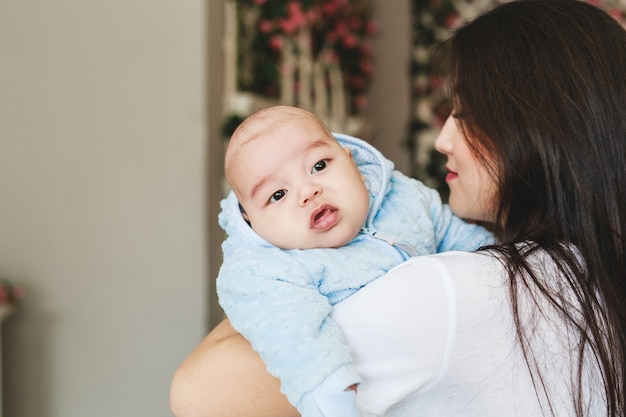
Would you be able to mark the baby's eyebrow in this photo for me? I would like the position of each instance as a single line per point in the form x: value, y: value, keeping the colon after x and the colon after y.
x: 258, y: 185
x: 318, y: 143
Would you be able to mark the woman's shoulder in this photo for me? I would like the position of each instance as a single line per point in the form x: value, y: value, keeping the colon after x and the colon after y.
x: 451, y: 265
x: 439, y: 282
x: 435, y: 289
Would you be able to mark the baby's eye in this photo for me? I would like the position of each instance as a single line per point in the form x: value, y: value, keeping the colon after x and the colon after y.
x: 319, y: 165
x: 277, y: 196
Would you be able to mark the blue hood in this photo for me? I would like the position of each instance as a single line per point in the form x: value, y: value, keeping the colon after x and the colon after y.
x: 373, y: 165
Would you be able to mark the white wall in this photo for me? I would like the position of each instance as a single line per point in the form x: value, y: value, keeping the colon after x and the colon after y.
x: 103, y: 154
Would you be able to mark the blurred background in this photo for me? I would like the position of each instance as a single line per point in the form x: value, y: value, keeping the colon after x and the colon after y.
x: 113, y: 120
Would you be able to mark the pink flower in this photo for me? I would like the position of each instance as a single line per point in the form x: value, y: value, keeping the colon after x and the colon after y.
x: 312, y: 14
x: 436, y: 82
x: 366, y: 48
x: 289, y: 26
x: 360, y: 101
x: 367, y: 67
x: 265, y: 26
x: 276, y: 42
x: 356, y: 23
x: 350, y: 41
x: 341, y: 29
x: 371, y: 28
x: 293, y: 8
x: 358, y: 82
x: 333, y: 57
x: 452, y: 21
x: 330, y: 8
x: 617, y: 14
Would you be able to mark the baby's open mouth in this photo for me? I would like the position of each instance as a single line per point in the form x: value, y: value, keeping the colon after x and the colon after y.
x: 324, y: 218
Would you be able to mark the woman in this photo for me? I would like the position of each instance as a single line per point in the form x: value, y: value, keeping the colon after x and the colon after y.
x: 535, y: 325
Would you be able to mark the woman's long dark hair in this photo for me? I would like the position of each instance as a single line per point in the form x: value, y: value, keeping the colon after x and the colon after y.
x: 539, y: 86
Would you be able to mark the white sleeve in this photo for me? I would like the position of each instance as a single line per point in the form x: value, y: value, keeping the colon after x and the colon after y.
x: 400, y: 329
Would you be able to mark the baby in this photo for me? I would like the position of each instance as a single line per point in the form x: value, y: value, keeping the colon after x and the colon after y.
x: 312, y: 218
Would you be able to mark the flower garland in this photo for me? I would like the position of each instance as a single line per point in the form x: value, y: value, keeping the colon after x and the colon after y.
x: 341, y: 29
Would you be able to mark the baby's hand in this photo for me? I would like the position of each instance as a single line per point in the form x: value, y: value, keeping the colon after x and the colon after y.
x: 336, y: 395
x: 337, y: 404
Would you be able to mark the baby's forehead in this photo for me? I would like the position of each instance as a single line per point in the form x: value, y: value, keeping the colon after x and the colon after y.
x: 273, y: 129
x: 299, y: 129
x: 252, y: 130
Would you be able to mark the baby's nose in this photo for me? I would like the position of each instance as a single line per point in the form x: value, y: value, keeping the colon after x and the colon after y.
x: 309, y: 193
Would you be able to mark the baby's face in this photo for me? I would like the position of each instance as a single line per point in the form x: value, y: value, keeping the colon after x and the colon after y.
x: 299, y: 188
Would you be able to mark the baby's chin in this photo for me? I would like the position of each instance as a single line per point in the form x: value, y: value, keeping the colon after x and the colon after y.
x: 325, y: 242
x: 336, y: 241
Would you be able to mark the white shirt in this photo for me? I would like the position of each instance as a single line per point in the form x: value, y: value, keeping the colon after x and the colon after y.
x: 436, y: 337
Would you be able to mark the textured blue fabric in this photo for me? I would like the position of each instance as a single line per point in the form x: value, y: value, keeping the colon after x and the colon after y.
x: 280, y: 300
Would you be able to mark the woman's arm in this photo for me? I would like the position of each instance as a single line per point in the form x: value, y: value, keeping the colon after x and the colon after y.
x: 224, y: 377
x: 399, y: 328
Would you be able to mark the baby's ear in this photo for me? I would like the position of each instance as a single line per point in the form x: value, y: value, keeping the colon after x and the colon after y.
x: 349, y: 152
x: 246, y: 218
x: 244, y: 214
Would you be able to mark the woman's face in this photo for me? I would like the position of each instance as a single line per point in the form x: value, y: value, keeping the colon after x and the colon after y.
x: 472, y: 186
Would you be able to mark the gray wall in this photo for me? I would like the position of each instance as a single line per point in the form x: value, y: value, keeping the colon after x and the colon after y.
x: 389, y: 95
x: 102, y: 213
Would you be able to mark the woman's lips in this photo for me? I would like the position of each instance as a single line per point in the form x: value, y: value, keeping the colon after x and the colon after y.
x: 324, y: 217
x: 451, y: 175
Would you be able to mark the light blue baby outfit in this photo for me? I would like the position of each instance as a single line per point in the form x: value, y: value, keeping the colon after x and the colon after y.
x: 280, y: 300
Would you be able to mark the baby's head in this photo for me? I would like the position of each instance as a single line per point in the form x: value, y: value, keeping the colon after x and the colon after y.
x: 298, y: 188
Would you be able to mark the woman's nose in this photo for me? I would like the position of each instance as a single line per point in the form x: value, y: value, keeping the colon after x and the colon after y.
x: 443, y: 143
x: 309, y: 193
